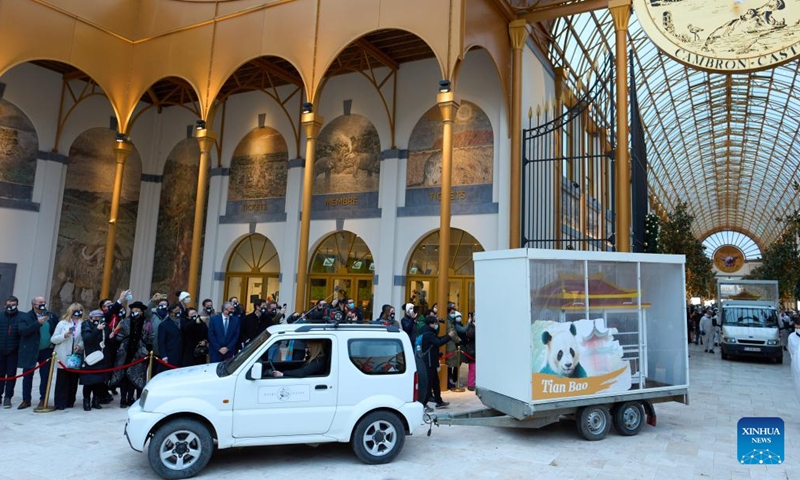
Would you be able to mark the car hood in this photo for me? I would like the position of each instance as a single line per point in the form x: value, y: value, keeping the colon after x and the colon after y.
x: 180, y: 377
x: 750, y: 332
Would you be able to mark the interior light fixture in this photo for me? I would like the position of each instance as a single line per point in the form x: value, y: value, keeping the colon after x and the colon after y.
x: 444, y: 86
x: 200, y: 125
x: 308, y: 107
x: 120, y: 137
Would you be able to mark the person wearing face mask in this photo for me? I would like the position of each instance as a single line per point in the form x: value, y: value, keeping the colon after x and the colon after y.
x: 170, y: 338
x: 9, y: 348
x: 132, y: 347
x: 159, y: 310
x: 454, y: 323
x: 255, y: 322
x: 387, y: 317
x: 223, y: 334
x: 195, y: 338
x: 354, y: 314
x: 318, y: 314
x: 67, y: 340
x: 36, y: 328
x: 238, y: 310
x: 208, y: 309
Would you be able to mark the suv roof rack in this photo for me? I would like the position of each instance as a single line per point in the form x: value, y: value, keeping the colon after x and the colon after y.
x: 341, y: 326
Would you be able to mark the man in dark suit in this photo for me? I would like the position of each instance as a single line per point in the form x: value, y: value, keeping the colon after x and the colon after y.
x: 223, y: 334
x: 170, y: 339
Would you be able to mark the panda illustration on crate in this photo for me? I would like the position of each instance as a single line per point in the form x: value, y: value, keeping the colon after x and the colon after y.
x: 563, y: 358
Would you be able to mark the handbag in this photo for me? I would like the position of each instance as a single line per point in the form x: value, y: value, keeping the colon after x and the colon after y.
x: 94, y: 357
x: 74, y: 361
x: 200, y: 351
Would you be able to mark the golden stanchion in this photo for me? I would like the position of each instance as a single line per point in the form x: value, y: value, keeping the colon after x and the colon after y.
x: 458, y: 387
x: 150, y: 367
x: 45, y: 408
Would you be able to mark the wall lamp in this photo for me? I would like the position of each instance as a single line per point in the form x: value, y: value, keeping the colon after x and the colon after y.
x: 200, y: 125
x: 121, y: 137
x: 308, y: 107
x: 444, y: 86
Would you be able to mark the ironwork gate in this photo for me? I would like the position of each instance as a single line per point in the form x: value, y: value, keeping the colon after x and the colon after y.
x: 568, y: 170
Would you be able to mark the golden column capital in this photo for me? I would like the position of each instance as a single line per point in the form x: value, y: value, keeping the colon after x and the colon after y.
x: 206, y: 139
x: 518, y: 32
x: 620, y: 13
x: 122, y: 150
x: 312, y: 122
x: 448, y: 106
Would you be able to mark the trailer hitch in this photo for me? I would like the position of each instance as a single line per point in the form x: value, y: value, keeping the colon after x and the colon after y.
x: 430, y: 420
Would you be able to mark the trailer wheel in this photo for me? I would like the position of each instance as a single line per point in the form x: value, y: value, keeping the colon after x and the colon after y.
x: 628, y: 418
x: 594, y: 422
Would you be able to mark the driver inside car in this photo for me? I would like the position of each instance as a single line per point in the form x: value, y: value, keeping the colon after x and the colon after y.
x: 315, y: 363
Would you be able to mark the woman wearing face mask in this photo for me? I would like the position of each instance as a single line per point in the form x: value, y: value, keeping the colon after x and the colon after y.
x: 454, y: 319
x: 94, y: 334
x: 67, y: 340
x: 195, y: 334
x: 132, y: 346
x: 387, y: 317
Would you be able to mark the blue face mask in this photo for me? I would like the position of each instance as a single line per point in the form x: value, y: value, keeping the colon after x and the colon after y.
x: 351, y: 305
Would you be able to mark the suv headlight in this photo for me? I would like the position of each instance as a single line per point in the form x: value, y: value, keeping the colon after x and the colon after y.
x: 728, y: 339
x: 143, y: 399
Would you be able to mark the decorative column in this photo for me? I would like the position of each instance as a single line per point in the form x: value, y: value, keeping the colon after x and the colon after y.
x: 621, y: 13
x: 312, y: 123
x: 121, y: 152
x: 448, y: 107
x: 206, y: 139
x: 558, y: 155
x: 518, y: 31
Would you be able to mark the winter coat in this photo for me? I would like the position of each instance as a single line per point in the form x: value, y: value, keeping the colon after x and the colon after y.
x: 193, y: 333
x: 170, y: 341
x: 9, y: 332
x: 410, y: 327
x: 454, y: 324
x: 132, y: 346
x: 64, y: 347
x: 430, y: 344
x: 93, y: 341
x: 469, y: 345
x: 29, y: 335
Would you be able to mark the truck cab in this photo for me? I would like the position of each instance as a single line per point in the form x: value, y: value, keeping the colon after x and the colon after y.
x: 750, y: 328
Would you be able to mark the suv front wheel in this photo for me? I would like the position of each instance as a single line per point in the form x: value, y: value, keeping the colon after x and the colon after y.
x: 180, y: 449
x: 378, y: 438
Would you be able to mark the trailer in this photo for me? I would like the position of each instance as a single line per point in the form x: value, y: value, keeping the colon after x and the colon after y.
x: 596, y: 336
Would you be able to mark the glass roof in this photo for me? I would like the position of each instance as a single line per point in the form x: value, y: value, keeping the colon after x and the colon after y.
x: 741, y: 241
x: 724, y: 144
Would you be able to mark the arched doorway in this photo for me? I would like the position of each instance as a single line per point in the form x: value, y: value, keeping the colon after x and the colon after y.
x: 342, y: 267
x: 423, y: 270
x: 253, y: 270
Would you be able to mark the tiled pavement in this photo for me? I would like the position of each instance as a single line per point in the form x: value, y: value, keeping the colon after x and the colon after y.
x: 690, y: 442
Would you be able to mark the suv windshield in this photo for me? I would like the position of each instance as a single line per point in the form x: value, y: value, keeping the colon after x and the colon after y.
x: 749, y: 317
x: 232, y: 364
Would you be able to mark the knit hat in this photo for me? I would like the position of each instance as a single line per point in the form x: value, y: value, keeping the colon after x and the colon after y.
x: 96, y: 313
x: 409, y: 308
x: 183, y: 296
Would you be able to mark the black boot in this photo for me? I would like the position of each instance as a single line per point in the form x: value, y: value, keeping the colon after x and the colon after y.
x: 96, y: 404
x: 86, y: 406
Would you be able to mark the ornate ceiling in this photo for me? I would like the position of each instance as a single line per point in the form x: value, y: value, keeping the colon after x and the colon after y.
x: 724, y: 144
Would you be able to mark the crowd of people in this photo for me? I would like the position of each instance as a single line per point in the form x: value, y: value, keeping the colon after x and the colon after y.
x: 107, y: 350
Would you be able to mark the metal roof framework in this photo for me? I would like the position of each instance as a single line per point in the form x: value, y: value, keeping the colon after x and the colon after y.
x: 727, y: 145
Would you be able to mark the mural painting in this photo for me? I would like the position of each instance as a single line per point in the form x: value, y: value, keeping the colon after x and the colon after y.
x: 18, y: 148
x: 348, y: 157
x: 473, y: 149
x: 258, y: 166
x: 176, y: 218
x: 80, y: 251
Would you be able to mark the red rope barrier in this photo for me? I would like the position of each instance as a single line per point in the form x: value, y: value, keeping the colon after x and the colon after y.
x: 467, y: 355
x: 37, y: 367
x: 445, y: 357
x: 162, y: 362
x: 105, y: 370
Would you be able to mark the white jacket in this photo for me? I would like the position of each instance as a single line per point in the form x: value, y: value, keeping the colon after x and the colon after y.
x: 64, y: 347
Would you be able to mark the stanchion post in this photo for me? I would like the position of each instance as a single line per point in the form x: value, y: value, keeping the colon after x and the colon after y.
x: 45, y: 408
x: 150, y: 367
x: 458, y: 387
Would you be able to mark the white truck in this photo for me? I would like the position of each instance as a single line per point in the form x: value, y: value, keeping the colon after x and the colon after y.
x: 748, y: 313
x: 596, y: 336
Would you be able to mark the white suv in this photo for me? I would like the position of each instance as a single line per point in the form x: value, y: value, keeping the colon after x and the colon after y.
x: 294, y: 384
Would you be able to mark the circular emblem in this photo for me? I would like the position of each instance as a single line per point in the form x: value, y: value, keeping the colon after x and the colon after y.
x: 727, y: 36
x: 728, y: 258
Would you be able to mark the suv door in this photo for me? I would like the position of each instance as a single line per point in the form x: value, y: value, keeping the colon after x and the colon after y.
x: 278, y: 406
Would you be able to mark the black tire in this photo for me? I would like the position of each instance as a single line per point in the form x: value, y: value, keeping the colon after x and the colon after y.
x: 629, y: 418
x: 594, y: 422
x: 180, y: 449
x: 378, y: 438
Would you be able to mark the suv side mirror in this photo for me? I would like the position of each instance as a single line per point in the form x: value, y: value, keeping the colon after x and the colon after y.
x: 255, y: 371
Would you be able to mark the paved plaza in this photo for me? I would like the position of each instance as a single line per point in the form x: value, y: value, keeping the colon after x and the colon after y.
x: 690, y: 442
